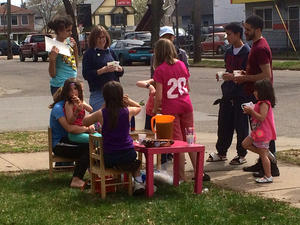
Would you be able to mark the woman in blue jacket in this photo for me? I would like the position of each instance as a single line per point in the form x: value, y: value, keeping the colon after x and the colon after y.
x: 95, y: 68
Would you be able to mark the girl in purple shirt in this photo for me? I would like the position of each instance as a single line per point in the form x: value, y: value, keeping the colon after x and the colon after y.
x: 114, y: 118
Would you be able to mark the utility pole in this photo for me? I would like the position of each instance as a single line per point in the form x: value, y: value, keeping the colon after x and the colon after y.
x: 8, y: 20
x: 157, y: 13
x: 176, y: 15
x: 197, y: 31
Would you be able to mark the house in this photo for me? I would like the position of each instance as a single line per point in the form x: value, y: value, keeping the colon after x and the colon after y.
x: 221, y: 9
x: 112, y: 13
x: 274, y: 30
x: 212, y: 11
x: 22, y: 21
x: 185, y: 12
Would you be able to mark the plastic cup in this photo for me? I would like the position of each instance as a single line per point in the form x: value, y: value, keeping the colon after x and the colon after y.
x: 237, y: 73
x: 190, y: 135
x: 220, y: 74
x: 141, y: 137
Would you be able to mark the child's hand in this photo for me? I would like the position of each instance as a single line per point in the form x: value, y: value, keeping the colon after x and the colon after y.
x: 53, y: 54
x: 73, y: 43
x: 152, y: 90
x: 248, y: 110
x: 126, y: 99
x: 75, y: 100
x: 91, y: 129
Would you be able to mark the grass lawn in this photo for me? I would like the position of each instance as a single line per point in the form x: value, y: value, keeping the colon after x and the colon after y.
x: 23, y: 141
x: 30, y: 198
x: 277, y: 64
x: 290, y: 156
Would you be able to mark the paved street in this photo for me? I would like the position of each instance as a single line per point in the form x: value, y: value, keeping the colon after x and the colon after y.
x: 25, y: 95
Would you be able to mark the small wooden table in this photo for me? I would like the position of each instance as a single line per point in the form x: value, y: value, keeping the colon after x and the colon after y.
x: 176, y: 148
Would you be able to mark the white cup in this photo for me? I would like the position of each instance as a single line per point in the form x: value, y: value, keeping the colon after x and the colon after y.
x: 220, y: 74
x: 249, y: 104
x: 141, y: 137
x: 237, y: 73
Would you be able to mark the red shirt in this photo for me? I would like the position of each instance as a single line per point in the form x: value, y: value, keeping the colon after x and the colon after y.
x: 175, y: 95
x: 260, y: 54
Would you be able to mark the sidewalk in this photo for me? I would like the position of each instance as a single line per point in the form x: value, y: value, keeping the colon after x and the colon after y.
x: 284, y: 188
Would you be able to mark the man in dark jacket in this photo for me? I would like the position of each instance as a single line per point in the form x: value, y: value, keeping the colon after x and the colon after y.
x: 231, y: 116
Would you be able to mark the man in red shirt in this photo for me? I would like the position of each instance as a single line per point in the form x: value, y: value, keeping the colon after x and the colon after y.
x: 259, y: 67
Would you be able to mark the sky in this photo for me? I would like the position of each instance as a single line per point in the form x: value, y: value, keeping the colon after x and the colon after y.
x: 13, y: 2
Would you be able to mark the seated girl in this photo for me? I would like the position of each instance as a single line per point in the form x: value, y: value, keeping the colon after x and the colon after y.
x: 75, y: 108
x: 115, y: 119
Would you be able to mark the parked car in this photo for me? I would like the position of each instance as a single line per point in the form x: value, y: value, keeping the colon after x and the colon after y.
x: 130, y: 51
x: 14, y: 47
x: 138, y: 35
x: 33, y: 47
x: 219, y: 45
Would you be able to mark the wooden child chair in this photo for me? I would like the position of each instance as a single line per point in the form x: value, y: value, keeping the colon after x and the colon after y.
x: 54, y: 158
x: 98, y: 169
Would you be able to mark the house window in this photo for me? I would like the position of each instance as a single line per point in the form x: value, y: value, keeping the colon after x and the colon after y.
x: 24, y: 19
x: 118, y: 19
x: 3, y: 20
x: 267, y: 15
x: 102, y: 20
x: 14, y: 20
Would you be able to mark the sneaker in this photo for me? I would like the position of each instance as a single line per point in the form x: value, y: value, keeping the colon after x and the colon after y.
x: 139, y: 188
x: 264, y: 180
x: 254, y: 168
x: 237, y: 160
x: 272, y: 157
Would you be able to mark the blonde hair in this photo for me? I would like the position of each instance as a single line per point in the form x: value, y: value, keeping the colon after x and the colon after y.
x: 164, y: 51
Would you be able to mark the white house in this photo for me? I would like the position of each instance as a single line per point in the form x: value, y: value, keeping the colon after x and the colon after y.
x: 225, y: 12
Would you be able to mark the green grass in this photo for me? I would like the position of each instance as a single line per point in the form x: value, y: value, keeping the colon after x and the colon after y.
x: 30, y: 198
x: 23, y: 141
x: 277, y: 64
x: 289, y: 156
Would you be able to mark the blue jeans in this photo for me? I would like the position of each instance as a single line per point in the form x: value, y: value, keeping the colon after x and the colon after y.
x: 96, y: 100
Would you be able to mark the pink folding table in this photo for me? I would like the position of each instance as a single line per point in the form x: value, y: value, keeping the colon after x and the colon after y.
x: 176, y: 148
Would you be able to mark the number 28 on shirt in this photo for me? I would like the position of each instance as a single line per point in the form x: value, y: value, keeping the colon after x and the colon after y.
x: 178, y: 87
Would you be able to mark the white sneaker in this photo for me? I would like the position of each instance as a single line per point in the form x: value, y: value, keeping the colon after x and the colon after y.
x: 139, y: 188
x: 264, y: 180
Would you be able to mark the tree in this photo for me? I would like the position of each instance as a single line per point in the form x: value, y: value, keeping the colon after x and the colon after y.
x: 140, y: 7
x: 197, y: 31
x: 70, y: 11
x: 45, y: 8
x: 157, y: 13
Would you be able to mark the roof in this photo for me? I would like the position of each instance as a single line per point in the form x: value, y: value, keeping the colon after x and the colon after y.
x: 146, y: 22
x: 15, y: 10
x: 95, y: 4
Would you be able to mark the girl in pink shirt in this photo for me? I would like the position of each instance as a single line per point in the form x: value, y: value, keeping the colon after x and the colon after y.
x: 263, y: 126
x: 172, y: 92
